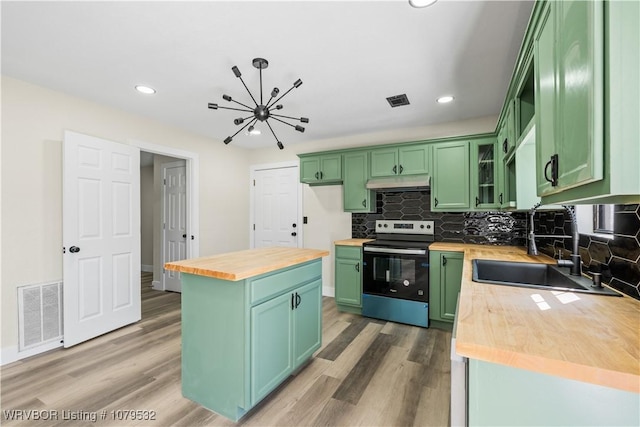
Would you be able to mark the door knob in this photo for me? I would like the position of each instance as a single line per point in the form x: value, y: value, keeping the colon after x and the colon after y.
x: 74, y: 249
x: 294, y: 234
x: 294, y: 225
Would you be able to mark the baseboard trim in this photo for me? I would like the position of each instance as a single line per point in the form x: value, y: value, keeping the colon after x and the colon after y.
x: 146, y: 268
x: 11, y: 354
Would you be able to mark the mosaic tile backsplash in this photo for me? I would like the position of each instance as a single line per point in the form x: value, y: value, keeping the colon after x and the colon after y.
x: 618, y: 259
x: 490, y: 228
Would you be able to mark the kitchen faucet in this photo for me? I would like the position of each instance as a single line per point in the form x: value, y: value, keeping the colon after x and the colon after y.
x: 574, y: 263
x: 531, y: 248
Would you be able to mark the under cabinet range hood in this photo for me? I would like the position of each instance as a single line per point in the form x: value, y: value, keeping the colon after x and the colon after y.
x: 400, y: 183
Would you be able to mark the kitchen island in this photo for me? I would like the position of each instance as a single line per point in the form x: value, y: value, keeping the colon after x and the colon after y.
x: 539, y: 356
x: 249, y: 319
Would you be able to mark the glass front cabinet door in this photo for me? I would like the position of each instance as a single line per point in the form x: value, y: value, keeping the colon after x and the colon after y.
x: 484, y: 183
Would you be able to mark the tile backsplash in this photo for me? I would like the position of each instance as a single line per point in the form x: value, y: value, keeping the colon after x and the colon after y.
x: 491, y: 228
x: 618, y: 258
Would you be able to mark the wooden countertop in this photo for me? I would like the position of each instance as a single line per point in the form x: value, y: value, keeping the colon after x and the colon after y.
x: 590, y: 338
x: 244, y: 264
x: 351, y: 242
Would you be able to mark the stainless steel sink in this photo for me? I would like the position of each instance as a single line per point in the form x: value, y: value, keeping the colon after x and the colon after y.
x: 533, y: 275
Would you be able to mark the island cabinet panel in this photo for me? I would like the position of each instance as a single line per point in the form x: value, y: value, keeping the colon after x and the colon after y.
x: 241, y: 339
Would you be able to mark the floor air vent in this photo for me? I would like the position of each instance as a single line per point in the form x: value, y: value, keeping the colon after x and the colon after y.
x: 398, y: 100
x: 39, y: 314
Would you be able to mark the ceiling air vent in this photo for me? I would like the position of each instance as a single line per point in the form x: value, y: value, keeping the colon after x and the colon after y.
x: 398, y: 100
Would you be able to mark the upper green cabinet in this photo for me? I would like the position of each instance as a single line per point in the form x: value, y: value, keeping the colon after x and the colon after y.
x: 321, y: 169
x: 485, y: 188
x: 356, y: 197
x: 568, y: 56
x: 450, y: 183
x: 506, y: 132
x: 406, y: 160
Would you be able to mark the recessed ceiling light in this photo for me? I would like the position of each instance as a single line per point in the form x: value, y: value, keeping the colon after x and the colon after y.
x: 444, y: 99
x: 145, y: 89
x: 421, y: 3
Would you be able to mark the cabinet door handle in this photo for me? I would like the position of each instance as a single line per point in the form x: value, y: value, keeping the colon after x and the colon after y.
x: 444, y: 260
x: 553, y: 162
x: 500, y: 198
x: 292, y: 307
x: 401, y: 169
x: 358, y: 267
x: 477, y: 201
x: 317, y: 175
x: 364, y: 203
x: 395, y: 169
x: 435, y: 199
x: 505, y: 145
x: 321, y: 175
x: 298, y: 299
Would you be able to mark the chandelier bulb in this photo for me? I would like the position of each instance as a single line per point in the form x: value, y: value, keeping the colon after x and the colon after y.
x: 297, y: 83
x: 299, y: 128
x: 304, y: 119
x: 275, y: 92
x: 213, y: 106
x: 279, y: 107
x: 226, y: 98
x: 228, y: 140
x: 280, y: 146
x: 238, y: 121
x: 236, y: 71
x: 250, y: 129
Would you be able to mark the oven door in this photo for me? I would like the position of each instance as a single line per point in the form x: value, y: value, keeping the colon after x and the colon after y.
x: 396, y: 273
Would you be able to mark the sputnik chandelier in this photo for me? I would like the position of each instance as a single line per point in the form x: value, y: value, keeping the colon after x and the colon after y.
x: 263, y: 111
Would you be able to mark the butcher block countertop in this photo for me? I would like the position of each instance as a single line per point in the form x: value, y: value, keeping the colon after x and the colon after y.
x: 590, y: 338
x: 351, y: 242
x: 244, y: 264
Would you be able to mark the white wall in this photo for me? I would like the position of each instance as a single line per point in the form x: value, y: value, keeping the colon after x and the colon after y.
x: 146, y: 215
x: 33, y: 124
x: 323, y: 205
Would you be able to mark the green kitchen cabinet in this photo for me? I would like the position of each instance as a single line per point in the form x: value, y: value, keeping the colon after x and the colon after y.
x: 356, y: 197
x: 241, y: 339
x: 445, y: 278
x: 284, y: 333
x: 411, y: 159
x: 321, y: 170
x: 617, y: 160
x: 485, y: 184
x: 569, y: 60
x: 348, y: 278
x: 500, y: 395
x: 450, y: 182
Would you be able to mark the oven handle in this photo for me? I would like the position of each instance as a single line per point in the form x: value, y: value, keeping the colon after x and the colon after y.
x: 395, y: 251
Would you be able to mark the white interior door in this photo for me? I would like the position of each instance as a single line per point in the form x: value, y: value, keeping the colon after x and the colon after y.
x: 276, y: 207
x: 101, y: 236
x: 174, y: 221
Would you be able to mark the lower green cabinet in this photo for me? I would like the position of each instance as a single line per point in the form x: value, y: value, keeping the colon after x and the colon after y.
x: 284, y: 333
x: 445, y: 278
x: 241, y: 339
x: 348, y: 279
x: 502, y: 395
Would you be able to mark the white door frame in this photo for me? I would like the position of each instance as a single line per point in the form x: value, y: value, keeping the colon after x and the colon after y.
x: 252, y: 175
x: 193, y: 193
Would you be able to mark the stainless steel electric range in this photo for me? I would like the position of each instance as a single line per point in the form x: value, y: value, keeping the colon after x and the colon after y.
x: 395, y: 278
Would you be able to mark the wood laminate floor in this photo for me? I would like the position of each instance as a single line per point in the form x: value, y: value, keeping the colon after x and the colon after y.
x: 367, y: 373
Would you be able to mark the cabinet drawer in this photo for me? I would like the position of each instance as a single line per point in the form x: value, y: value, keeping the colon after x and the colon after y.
x: 350, y: 252
x: 269, y: 286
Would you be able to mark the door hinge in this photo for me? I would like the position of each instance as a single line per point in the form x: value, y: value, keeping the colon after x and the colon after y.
x: 163, y: 226
x: 254, y: 182
x: 254, y: 227
x: 164, y: 181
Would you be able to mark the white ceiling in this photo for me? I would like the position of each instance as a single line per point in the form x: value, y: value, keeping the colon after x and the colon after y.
x: 350, y: 55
